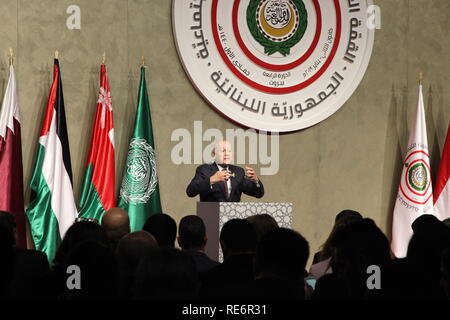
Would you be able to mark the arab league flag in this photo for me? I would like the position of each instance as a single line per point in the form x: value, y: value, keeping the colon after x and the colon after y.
x: 52, y: 207
x: 97, y: 195
x: 415, y: 194
x: 11, y: 170
x: 442, y: 185
x: 139, y: 192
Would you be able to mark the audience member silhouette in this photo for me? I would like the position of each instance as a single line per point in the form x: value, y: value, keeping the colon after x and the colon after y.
x: 357, y: 246
x: 132, y: 248
x: 166, y: 273
x: 342, y: 219
x: 22, y: 272
x: 238, y: 243
x: 192, y: 240
x: 163, y: 228
x: 322, y: 260
x: 98, y: 272
x: 280, y: 263
x: 116, y: 224
x: 78, y: 232
x: 262, y: 223
x: 429, y: 240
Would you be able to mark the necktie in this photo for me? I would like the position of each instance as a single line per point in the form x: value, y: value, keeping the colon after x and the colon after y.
x: 226, y: 187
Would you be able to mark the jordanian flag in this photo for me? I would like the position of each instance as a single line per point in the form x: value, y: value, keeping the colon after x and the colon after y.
x: 139, y: 192
x: 52, y: 207
x: 97, y: 195
x: 11, y: 170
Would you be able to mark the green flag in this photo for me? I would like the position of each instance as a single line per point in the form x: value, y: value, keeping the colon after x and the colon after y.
x: 139, y: 192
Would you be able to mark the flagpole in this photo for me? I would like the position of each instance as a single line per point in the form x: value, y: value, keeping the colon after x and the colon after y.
x: 420, y: 78
x: 11, y: 56
x: 103, y: 57
x: 56, y: 54
x: 142, y: 61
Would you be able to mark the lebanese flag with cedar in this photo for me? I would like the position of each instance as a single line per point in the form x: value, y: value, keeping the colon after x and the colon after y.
x: 98, y: 190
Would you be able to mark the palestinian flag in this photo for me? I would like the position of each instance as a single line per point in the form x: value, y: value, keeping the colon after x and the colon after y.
x: 97, y: 195
x: 11, y: 170
x: 52, y: 207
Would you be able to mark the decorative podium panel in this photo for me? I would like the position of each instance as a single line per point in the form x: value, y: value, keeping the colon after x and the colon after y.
x: 215, y: 214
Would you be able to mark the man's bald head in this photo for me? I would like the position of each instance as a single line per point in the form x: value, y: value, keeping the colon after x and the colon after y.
x: 116, y: 223
x: 222, y: 152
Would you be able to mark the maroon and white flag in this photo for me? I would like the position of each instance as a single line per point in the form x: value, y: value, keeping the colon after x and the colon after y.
x: 11, y: 170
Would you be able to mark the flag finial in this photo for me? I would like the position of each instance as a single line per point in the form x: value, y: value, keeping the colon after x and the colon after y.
x: 56, y: 54
x: 420, y: 77
x: 11, y: 56
x: 103, y: 57
x: 142, y: 61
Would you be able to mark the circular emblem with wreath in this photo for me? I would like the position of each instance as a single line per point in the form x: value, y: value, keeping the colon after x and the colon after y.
x: 277, y: 25
x: 140, y: 179
x: 418, y: 177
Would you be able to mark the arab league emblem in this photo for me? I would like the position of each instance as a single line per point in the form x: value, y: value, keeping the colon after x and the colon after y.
x: 140, y: 179
x: 277, y: 25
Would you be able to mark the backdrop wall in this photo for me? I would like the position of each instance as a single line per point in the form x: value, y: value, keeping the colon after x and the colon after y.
x: 351, y: 160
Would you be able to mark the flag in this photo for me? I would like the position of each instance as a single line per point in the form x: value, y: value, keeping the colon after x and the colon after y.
x: 415, y: 194
x: 442, y: 187
x: 139, y: 192
x: 11, y: 170
x: 97, y: 195
x: 52, y: 207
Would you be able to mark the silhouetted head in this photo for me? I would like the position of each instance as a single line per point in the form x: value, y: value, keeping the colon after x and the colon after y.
x: 427, y: 243
x: 237, y: 237
x: 132, y: 248
x: 163, y: 228
x: 192, y: 233
x: 77, y: 233
x: 282, y: 253
x: 166, y: 273
x: 116, y: 223
x: 262, y: 223
x: 347, y: 214
x: 343, y: 219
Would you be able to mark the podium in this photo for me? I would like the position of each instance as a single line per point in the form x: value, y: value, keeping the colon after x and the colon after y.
x: 215, y: 214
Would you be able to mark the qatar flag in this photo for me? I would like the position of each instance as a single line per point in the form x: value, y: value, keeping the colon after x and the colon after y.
x: 11, y: 170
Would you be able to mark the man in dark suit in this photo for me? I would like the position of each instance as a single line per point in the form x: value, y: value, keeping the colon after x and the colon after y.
x: 192, y: 240
x: 222, y: 182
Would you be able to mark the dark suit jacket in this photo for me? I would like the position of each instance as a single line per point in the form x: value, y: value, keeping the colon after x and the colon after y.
x: 239, y: 184
x: 202, y: 262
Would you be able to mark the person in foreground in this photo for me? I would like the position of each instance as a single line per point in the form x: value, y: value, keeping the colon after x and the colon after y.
x: 222, y: 182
